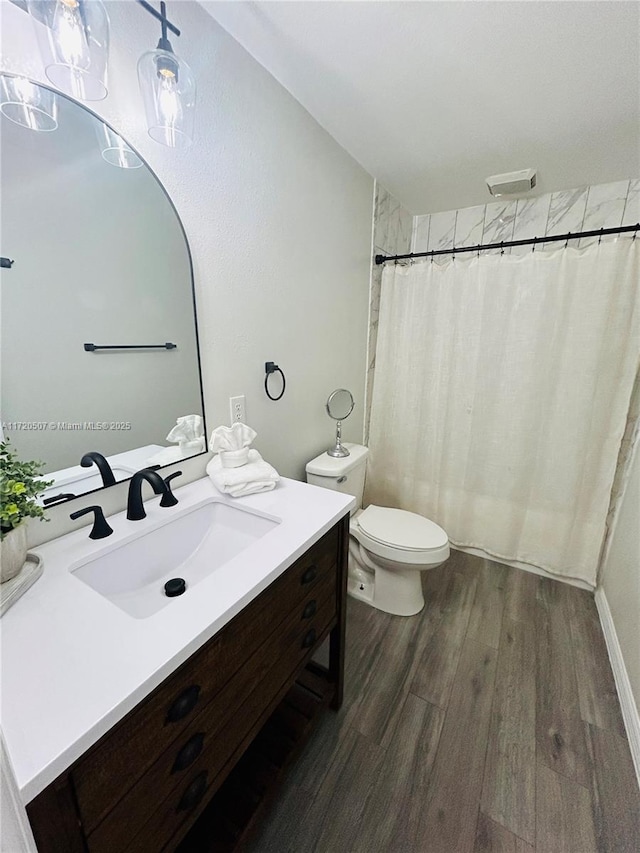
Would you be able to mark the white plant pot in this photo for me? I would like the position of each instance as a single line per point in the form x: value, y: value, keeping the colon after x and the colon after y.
x: 13, y: 552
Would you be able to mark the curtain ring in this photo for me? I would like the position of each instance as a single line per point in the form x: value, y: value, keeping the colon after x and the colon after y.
x: 478, y: 255
x: 533, y: 246
x: 501, y: 247
x: 566, y: 242
x: 600, y: 237
x: 634, y: 233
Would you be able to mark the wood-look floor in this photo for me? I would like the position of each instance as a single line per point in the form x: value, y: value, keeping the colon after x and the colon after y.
x: 489, y: 722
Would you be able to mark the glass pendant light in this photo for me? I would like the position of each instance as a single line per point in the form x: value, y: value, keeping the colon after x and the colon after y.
x: 169, y: 92
x: 114, y: 149
x: 75, y: 45
x: 28, y: 104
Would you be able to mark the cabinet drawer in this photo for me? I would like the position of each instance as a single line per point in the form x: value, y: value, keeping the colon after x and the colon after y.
x: 190, y: 771
x: 108, y: 771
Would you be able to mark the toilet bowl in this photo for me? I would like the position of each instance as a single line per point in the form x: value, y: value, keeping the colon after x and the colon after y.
x: 388, y: 548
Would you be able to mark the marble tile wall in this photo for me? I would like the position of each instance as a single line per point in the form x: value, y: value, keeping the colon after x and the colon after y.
x: 392, y: 234
x: 583, y: 209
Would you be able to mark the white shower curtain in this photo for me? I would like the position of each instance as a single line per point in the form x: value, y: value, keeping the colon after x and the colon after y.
x: 500, y: 396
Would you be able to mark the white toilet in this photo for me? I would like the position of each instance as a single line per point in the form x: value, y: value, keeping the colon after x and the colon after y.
x: 388, y: 548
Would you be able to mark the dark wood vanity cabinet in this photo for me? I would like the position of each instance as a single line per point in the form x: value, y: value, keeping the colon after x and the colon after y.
x: 192, y: 765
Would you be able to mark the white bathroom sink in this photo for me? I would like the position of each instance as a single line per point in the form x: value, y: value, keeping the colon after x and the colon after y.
x: 190, y: 546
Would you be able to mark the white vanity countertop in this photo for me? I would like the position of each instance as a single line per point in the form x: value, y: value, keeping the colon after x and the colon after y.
x: 73, y: 663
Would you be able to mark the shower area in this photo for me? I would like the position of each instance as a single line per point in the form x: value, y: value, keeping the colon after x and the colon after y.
x: 502, y: 389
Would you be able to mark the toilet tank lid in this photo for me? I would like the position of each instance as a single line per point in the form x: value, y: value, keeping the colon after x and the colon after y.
x: 331, y: 466
x: 401, y: 528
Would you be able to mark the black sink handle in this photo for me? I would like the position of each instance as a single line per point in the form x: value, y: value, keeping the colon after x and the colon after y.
x: 101, y: 528
x: 168, y: 498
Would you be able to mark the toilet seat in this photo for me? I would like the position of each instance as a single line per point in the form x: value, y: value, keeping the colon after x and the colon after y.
x: 407, y: 529
x: 398, y: 528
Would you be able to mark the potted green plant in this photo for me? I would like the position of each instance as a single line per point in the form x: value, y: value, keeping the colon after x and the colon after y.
x: 19, y: 487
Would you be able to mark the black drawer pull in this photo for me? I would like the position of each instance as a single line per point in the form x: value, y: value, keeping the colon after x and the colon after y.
x: 189, y: 752
x: 309, y: 639
x: 308, y: 575
x: 193, y: 793
x: 185, y: 703
x: 309, y: 609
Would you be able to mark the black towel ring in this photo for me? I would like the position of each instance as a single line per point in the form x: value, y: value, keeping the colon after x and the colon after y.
x: 270, y: 368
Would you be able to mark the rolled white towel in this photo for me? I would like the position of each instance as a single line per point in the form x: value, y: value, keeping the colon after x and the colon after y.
x: 256, y: 476
x: 189, y: 434
x: 235, y: 437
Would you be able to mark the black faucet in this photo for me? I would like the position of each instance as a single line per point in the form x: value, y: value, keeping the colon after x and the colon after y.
x: 103, y: 466
x: 135, y: 506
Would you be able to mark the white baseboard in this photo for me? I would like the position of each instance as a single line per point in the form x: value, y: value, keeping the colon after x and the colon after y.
x: 630, y: 713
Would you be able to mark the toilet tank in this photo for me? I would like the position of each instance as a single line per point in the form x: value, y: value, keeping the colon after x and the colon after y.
x: 342, y: 474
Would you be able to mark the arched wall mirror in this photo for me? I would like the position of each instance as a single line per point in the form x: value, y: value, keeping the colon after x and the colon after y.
x: 99, y: 257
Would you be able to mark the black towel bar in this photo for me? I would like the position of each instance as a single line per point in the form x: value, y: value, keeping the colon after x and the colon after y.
x: 94, y: 347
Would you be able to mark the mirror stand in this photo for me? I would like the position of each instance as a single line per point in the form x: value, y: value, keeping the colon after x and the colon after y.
x: 339, y: 406
x: 339, y: 449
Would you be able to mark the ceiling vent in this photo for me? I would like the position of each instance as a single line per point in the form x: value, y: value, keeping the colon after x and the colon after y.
x: 512, y: 183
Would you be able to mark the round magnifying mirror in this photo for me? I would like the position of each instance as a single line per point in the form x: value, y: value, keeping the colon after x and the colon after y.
x: 339, y: 406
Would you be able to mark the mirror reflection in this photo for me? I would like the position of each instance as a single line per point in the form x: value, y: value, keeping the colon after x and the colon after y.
x: 99, y: 258
x: 340, y: 404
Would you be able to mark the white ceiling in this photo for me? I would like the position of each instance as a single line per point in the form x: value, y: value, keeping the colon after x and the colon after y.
x: 432, y: 97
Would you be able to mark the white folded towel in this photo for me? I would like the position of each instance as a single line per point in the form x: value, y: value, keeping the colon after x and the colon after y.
x: 256, y: 476
x: 231, y: 438
x: 188, y: 433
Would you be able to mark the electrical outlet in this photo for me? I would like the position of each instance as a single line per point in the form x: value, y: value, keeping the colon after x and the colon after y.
x: 236, y: 408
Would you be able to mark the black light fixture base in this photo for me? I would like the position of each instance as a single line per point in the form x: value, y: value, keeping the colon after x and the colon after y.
x: 160, y: 16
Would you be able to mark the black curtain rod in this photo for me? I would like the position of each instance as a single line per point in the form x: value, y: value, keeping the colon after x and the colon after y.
x: 381, y: 259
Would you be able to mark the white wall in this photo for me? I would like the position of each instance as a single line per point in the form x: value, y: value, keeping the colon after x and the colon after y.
x: 278, y: 217
x: 621, y: 576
